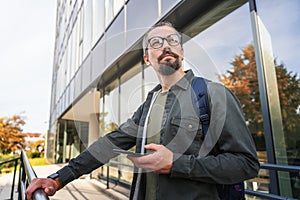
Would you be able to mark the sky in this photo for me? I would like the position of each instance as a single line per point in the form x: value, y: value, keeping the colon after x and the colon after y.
x: 26, y: 59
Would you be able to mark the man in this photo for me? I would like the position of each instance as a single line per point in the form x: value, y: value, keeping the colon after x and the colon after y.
x: 180, y: 165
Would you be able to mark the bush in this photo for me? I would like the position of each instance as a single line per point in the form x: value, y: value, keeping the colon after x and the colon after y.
x: 33, y: 154
x: 6, y: 168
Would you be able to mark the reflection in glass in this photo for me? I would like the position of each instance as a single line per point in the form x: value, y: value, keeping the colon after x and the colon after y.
x: 229, y: 45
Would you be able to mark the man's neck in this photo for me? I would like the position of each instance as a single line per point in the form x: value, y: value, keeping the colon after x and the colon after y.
x: 168, y: 81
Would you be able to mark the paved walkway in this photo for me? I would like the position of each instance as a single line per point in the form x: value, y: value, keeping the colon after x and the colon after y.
x: 82, y: 189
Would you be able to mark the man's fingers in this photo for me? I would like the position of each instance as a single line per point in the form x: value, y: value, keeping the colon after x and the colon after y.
x: 31, y: 188
x: 48, y: 185
x: 49, y: 191
x: 147, y: 162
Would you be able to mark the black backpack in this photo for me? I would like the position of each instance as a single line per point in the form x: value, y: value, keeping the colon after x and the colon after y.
x: 226, y: 192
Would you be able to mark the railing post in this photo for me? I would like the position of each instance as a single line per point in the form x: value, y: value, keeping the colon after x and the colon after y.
x: 107, y: 177
x: 14, y: 177
x: 20, y: 179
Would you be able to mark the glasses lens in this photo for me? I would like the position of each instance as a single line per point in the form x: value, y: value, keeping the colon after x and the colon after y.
x: 156, y: 42
x: 173, y: 39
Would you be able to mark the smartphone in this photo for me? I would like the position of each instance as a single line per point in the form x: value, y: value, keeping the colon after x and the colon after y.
x: 128, y: 152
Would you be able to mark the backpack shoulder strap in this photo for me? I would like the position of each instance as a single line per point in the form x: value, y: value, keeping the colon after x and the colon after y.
x: 200, y: 101
x: 201, y: 105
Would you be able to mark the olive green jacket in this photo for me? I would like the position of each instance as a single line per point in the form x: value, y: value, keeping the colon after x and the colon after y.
x: 195, y: 171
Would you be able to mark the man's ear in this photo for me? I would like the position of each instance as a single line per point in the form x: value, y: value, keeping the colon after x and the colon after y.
x: 146, y: 59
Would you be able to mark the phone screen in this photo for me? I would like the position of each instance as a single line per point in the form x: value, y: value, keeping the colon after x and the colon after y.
x: 128, y: 152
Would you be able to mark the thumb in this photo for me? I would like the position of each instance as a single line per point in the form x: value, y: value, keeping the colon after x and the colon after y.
x: 152, y: 146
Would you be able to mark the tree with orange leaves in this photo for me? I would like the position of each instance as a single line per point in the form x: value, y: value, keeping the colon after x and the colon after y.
x: 243, y: 81
x: 11, y: 136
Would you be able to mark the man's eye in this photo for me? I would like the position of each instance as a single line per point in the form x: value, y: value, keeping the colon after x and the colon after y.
x: 155, y: 42
x: 173, y: 39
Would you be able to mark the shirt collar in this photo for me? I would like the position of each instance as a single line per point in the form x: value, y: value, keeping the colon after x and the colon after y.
x: 185, y: 81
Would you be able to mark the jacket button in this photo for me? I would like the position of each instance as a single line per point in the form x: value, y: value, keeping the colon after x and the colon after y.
x: 190, y: 126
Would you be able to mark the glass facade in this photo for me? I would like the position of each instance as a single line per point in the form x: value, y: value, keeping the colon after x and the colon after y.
x: 251, y: 47
x: 282, y: 32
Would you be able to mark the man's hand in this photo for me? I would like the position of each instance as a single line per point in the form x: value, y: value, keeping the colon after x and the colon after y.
x: 159, y: 162
x: 47, y: 184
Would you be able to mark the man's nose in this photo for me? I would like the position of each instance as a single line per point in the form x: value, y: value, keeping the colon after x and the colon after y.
x: 166, y: 49
x: 165, y: 44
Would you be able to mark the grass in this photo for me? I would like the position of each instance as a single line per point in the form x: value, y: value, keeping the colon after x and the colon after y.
x: 38, y: 161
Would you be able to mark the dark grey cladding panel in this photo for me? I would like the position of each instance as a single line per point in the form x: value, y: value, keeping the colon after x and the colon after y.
x: 115, y: 39
x: 78, y: 83
x: 98, y: 60
x: 86, y: 72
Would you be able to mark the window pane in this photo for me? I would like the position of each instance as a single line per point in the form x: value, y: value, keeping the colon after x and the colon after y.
x: 284, y: 31
x: 87, y: 34
x: 130, y: 100
x: 111, y: 108
x: 131, y: 92
x: 98, y: 19
x: 109, y: 11
x: 118, y: 4
x: 150, y: 80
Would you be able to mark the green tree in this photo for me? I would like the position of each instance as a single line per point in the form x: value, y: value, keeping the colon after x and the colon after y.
x: 242, y: 80
x: 11, y: 136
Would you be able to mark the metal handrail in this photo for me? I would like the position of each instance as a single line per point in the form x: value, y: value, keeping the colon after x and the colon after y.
x: 276, y: 167
x: 27, y: 174
x: 287, y: 168
x: 14, y: 177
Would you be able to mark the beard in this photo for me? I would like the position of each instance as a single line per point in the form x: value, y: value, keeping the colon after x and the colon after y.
x: 169, y: 68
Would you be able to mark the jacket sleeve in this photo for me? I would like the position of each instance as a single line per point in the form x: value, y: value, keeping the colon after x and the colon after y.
x: 234, y: 158
x: 100, y: 152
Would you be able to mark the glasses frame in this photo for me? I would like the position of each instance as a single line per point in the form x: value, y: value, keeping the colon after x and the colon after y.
x: 164, y: 39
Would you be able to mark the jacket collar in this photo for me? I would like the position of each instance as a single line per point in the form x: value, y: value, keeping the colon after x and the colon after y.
x: 183, y: 83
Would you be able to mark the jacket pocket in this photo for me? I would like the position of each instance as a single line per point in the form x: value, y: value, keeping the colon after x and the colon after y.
x: 186, y: 134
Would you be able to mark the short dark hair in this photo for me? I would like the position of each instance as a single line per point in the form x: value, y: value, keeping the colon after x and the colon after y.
x: 159, y: 24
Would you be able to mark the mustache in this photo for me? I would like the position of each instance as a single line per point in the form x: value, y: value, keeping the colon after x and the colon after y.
x: 167, y: 52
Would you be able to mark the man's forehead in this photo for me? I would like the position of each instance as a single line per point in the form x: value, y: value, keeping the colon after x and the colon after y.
x: 162, y: 31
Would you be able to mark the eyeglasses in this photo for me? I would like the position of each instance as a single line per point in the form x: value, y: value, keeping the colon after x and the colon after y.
x: 157, y: 42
